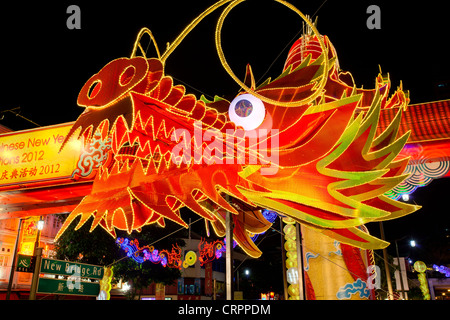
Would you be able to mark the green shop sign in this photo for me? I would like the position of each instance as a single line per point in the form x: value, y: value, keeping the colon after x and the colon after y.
x: 24, y: 263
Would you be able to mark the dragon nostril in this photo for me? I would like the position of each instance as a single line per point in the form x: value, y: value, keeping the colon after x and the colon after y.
x: 94, y: 89
x: 127, y: 75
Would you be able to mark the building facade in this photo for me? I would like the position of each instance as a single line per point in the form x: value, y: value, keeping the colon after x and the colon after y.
x: 9, y: 231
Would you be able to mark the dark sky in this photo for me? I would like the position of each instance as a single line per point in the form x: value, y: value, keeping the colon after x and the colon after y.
x: 44, y: 64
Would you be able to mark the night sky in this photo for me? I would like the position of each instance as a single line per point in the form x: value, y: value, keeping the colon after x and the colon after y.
x: 44, y: 64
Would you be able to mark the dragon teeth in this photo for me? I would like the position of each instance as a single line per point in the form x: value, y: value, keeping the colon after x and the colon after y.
x: 153, y: 141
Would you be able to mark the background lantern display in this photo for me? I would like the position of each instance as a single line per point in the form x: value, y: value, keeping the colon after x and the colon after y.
x: 290, y: 246
x: 421, y: 268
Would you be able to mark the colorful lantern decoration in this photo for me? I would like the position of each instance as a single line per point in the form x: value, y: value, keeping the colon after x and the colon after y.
x: 426, y: 164
x: 303, y: 144
x: 442, y: 269
x: 105, y: 285
x: 171, y: 259
x: 189, y: 259
x: 421, y: 267
x: 208, y: 251
x: 292, y: 270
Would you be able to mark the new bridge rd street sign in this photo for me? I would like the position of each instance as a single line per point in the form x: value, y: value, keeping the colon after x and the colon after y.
x: 73, y: 285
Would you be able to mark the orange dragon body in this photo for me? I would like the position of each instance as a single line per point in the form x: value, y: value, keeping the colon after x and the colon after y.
x: 303, y: 145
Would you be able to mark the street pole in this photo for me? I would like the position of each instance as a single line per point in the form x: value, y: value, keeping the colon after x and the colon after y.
x: 283, y: 261
x: 229, y: 255
x: 386, y: 266
x: 37, y: 266
x: 400, y: 272
x: 299, y: 263
x: 13, y: 267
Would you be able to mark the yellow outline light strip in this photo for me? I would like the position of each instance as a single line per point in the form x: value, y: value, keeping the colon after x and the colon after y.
x: 225, y: 64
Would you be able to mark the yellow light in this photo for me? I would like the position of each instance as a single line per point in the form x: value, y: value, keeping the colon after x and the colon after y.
x: 75, y: 144
x: 40, y: 224
x: 27, y: 248
x: 227, y: 67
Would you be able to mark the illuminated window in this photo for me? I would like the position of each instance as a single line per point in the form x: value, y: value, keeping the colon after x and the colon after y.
x: 3, y: 266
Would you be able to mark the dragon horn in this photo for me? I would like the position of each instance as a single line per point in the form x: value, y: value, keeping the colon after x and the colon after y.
x: 318, y: 87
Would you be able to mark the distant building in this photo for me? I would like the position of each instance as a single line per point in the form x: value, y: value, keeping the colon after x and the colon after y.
x: 8, y: 234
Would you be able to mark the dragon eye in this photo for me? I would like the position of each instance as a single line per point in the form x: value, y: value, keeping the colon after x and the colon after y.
x: 247, y: 111
x: 94, y: 89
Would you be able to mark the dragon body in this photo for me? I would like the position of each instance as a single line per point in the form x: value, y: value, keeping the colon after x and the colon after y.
x: 303, y: 145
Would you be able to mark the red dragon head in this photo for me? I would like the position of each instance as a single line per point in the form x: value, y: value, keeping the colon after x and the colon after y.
x: 303, y: 145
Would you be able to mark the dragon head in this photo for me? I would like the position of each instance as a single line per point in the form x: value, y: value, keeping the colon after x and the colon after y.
x: 303, y: 145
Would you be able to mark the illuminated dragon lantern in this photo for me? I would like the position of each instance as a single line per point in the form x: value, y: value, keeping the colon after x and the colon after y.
x: 303, y: 145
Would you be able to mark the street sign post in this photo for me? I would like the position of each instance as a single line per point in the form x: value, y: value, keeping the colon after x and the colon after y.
x: 68, y: 268
x: 68, y: 287
x: 77, y: 278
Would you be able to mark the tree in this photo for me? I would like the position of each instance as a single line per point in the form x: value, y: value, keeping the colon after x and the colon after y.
x: 95, y: 247
x: 98, y: 247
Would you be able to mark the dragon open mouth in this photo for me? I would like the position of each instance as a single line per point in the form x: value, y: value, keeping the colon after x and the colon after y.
x: 145, y: 182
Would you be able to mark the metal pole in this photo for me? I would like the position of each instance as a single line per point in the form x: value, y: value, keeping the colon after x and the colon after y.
x: 229, y: 255
x: 400, y: 272
x: 299, y: 262
x: 283, y: 261
x: 37, y: 267
x: 386, y: 266
x: 13, y: 267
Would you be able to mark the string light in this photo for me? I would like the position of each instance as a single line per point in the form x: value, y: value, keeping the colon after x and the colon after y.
x: 139, y: 254
x: 208, y: 251
x: 442, y: 269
